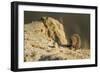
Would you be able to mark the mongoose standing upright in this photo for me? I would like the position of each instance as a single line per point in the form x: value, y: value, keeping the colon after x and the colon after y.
x: 75, y: 42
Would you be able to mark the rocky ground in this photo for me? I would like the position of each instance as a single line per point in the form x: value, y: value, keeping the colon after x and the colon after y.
x: 43, y: 40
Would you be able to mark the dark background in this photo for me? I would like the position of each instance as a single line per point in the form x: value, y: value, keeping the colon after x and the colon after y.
x: 73, y: 23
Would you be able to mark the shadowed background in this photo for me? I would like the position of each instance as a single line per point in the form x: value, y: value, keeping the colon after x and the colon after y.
x: 73, y: 23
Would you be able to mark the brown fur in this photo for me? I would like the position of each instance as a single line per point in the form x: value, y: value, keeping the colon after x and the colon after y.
x: 75, y: 41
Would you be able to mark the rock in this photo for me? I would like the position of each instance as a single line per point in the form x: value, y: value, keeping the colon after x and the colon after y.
x: 35, y: 34
x: 55, y: 30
